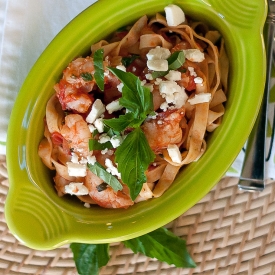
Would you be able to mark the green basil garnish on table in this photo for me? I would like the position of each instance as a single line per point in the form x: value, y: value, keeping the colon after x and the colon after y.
x: 161, y: 244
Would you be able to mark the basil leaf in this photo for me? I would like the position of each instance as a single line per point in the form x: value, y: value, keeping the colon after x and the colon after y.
x: 164, y: 246
x: 89, y: 258
x: 176, y: 60
x: 95, y: 145
x: 133, y: 157
x: 99, y: 70
x: 120, y: 123
x: 128, y: 60
x: 133, y: 93
x: 100, y: 171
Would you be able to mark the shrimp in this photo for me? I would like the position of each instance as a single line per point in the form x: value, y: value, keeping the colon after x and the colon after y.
x: 76, y: 84
x: 104, y: 195
x: 164, y: 130
x: 77, y: 134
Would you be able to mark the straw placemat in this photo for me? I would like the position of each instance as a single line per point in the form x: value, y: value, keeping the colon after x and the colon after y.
x: 227, y: 232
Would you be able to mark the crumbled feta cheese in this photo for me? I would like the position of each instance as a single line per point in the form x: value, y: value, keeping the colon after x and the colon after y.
x: 76, y: 188
x: 99, y: 125
x: 180, y: 98
x: 76, y: 169
x: 121, y: 67
x: 87, y: 205
x: 174, y: 15
x: 174, y: 153
x: 158, y: 53
x: 120, y: 86
x: 91, y: 160
x: 74, y: 158
x: 149, y: 76
x: 158, y: 81
x: 192, y: 71
x: 111, y: 168
x: 198, y: 80
x: 200, y: 98
x: 167, y: 90
x: 194, y: 55
x: 105, y: 151
x: 83, y: 161
x: 173, y: 75
x: 164, y: 106
x: 158, y: 65
x: 92, y: 128
x: 116, y: 141
x: 113, y: 106
x: 104, y: 138
x: 97, y: 110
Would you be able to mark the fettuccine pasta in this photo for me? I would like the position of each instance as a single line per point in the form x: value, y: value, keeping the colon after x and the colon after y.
x: 96, y: 113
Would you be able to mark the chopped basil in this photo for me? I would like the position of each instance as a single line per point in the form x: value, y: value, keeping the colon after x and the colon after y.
x: 87, y: 76
x: 99, y: 70
x: 100, y: 171
x: 95, y: 145
x: 128, y: 60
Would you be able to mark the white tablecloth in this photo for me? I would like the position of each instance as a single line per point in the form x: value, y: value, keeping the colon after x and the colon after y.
x: 26, y: 28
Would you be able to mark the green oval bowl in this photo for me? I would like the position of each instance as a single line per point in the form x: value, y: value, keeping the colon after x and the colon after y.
x: 34, y: 212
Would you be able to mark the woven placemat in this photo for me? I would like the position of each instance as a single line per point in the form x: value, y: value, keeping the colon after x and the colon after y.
x: 227, y: 232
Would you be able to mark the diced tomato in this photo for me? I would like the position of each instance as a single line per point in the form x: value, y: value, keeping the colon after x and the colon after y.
x: 191, y: 84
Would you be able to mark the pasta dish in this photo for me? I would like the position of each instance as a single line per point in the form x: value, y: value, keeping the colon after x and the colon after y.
x: 125, y: 119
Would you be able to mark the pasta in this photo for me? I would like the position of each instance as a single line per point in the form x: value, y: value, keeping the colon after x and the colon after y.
x: 147, y: 97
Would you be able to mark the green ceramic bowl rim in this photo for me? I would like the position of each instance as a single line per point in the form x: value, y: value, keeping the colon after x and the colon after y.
x: 192, y: 184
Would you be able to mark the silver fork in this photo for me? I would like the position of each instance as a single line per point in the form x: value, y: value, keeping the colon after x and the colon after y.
x: 252, y: 177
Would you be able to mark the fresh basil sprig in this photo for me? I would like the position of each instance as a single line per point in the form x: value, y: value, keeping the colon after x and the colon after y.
x: 134, y: 154
x: 175, y: 61
x: 161, y: 244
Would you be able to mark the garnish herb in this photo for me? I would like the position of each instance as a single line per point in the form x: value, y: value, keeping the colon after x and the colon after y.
x: 100, y: 171
x: 134, y: 152
x: 89, y: 258
x: 99, y: 70
x: 94, y: 144
x: 161, y: 244
x: 175, y: 61
x: 133, y: 157
x: 128, y: 60
x: 87, y: 76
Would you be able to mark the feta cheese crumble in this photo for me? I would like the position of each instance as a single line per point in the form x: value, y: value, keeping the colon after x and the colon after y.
x: 112, y: 169
x: 113, y: 106
x: 76, y: 188
x: 173, y: 94
x: 174, y: 153
x: 194, y: 55
x: 97, y: 110
x: 173, y: 75
x: 174, y: 15
x: 158, y: 65
x: 158, y: 53
x: 76, y: 169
